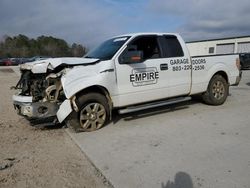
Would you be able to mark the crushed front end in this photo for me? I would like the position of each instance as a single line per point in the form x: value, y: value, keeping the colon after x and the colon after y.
x: 38, y: 96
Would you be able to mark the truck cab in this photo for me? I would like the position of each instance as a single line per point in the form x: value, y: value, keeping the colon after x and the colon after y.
x: 148, y: 76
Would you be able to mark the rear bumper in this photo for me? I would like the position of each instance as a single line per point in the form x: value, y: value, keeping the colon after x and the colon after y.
x: 238, y: 78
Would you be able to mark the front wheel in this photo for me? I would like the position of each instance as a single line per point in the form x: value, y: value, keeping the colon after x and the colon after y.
x: 217, y: 91
x: 93, y: 113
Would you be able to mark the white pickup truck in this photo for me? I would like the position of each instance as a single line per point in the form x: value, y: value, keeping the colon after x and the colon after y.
x: 129, y: 72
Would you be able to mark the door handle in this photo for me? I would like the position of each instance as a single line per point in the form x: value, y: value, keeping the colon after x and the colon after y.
x: 164, y: 66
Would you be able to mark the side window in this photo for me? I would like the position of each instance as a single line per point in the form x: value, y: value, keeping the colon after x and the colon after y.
x: 147, y: 44
x: 172, y: 47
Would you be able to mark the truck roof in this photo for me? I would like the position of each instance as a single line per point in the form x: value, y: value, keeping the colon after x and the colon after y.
x: 147, y: 33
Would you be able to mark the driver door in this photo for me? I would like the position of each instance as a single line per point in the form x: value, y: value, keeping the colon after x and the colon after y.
x: 142, y: 81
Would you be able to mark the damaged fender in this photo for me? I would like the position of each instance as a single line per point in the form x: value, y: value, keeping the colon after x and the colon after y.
x: 64, y: 110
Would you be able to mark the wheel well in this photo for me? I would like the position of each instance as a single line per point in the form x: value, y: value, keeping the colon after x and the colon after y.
x: 223, y: 74
x: 97, y: 89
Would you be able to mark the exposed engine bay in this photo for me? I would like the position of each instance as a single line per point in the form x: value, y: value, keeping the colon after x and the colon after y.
x: 41, y: 87
x: 41, y: 95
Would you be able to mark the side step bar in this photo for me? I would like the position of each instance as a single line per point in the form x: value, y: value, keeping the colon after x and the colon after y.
x: 153, y: 105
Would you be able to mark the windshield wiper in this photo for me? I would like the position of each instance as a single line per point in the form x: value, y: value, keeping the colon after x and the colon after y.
x: 89, y: 57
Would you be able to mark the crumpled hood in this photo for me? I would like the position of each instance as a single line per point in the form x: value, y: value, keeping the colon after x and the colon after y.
x: 43, y: 65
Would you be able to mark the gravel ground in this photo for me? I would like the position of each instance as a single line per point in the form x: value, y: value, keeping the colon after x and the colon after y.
x: 32, y: 157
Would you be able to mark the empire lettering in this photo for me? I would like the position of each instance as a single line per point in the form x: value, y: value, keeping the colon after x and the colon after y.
x: 144, y: 76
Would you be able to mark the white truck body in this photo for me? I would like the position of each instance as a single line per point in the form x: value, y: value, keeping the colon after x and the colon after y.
x: 158, y: 77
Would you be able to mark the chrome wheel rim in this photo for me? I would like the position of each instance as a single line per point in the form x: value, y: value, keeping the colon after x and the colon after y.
x: 218, y: 90
x: 92, y: 116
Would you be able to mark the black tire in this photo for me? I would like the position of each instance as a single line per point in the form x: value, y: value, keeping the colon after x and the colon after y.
x: 38, y: 121
x: 96, y: 118
x: 217, y: 91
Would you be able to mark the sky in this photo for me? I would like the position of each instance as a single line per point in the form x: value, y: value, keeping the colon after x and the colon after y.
x: 89, y: 22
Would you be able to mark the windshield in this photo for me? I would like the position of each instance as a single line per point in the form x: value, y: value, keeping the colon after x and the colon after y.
x: 107, y: 49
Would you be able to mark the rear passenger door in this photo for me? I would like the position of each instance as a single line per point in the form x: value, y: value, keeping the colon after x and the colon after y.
x: 178, y: 78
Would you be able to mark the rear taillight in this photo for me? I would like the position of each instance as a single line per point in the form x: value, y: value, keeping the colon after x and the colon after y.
x: 238, y: 63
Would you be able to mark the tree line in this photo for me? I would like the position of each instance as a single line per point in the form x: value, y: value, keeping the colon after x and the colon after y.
x: 22, y: 46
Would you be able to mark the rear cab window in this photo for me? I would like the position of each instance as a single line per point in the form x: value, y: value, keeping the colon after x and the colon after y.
x: 171, y: 46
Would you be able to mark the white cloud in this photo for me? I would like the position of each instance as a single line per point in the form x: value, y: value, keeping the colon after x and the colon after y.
x: 91, y: 21
x: 202, y: 19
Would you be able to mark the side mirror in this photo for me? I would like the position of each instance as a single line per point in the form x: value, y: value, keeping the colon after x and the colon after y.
x: 132, y: 57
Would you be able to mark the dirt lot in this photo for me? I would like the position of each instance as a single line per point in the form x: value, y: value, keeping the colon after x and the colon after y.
x: 31, y: 157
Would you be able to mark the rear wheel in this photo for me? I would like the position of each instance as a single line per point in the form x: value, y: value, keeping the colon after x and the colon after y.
x: 93, y: 113
x: 217, y: 91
